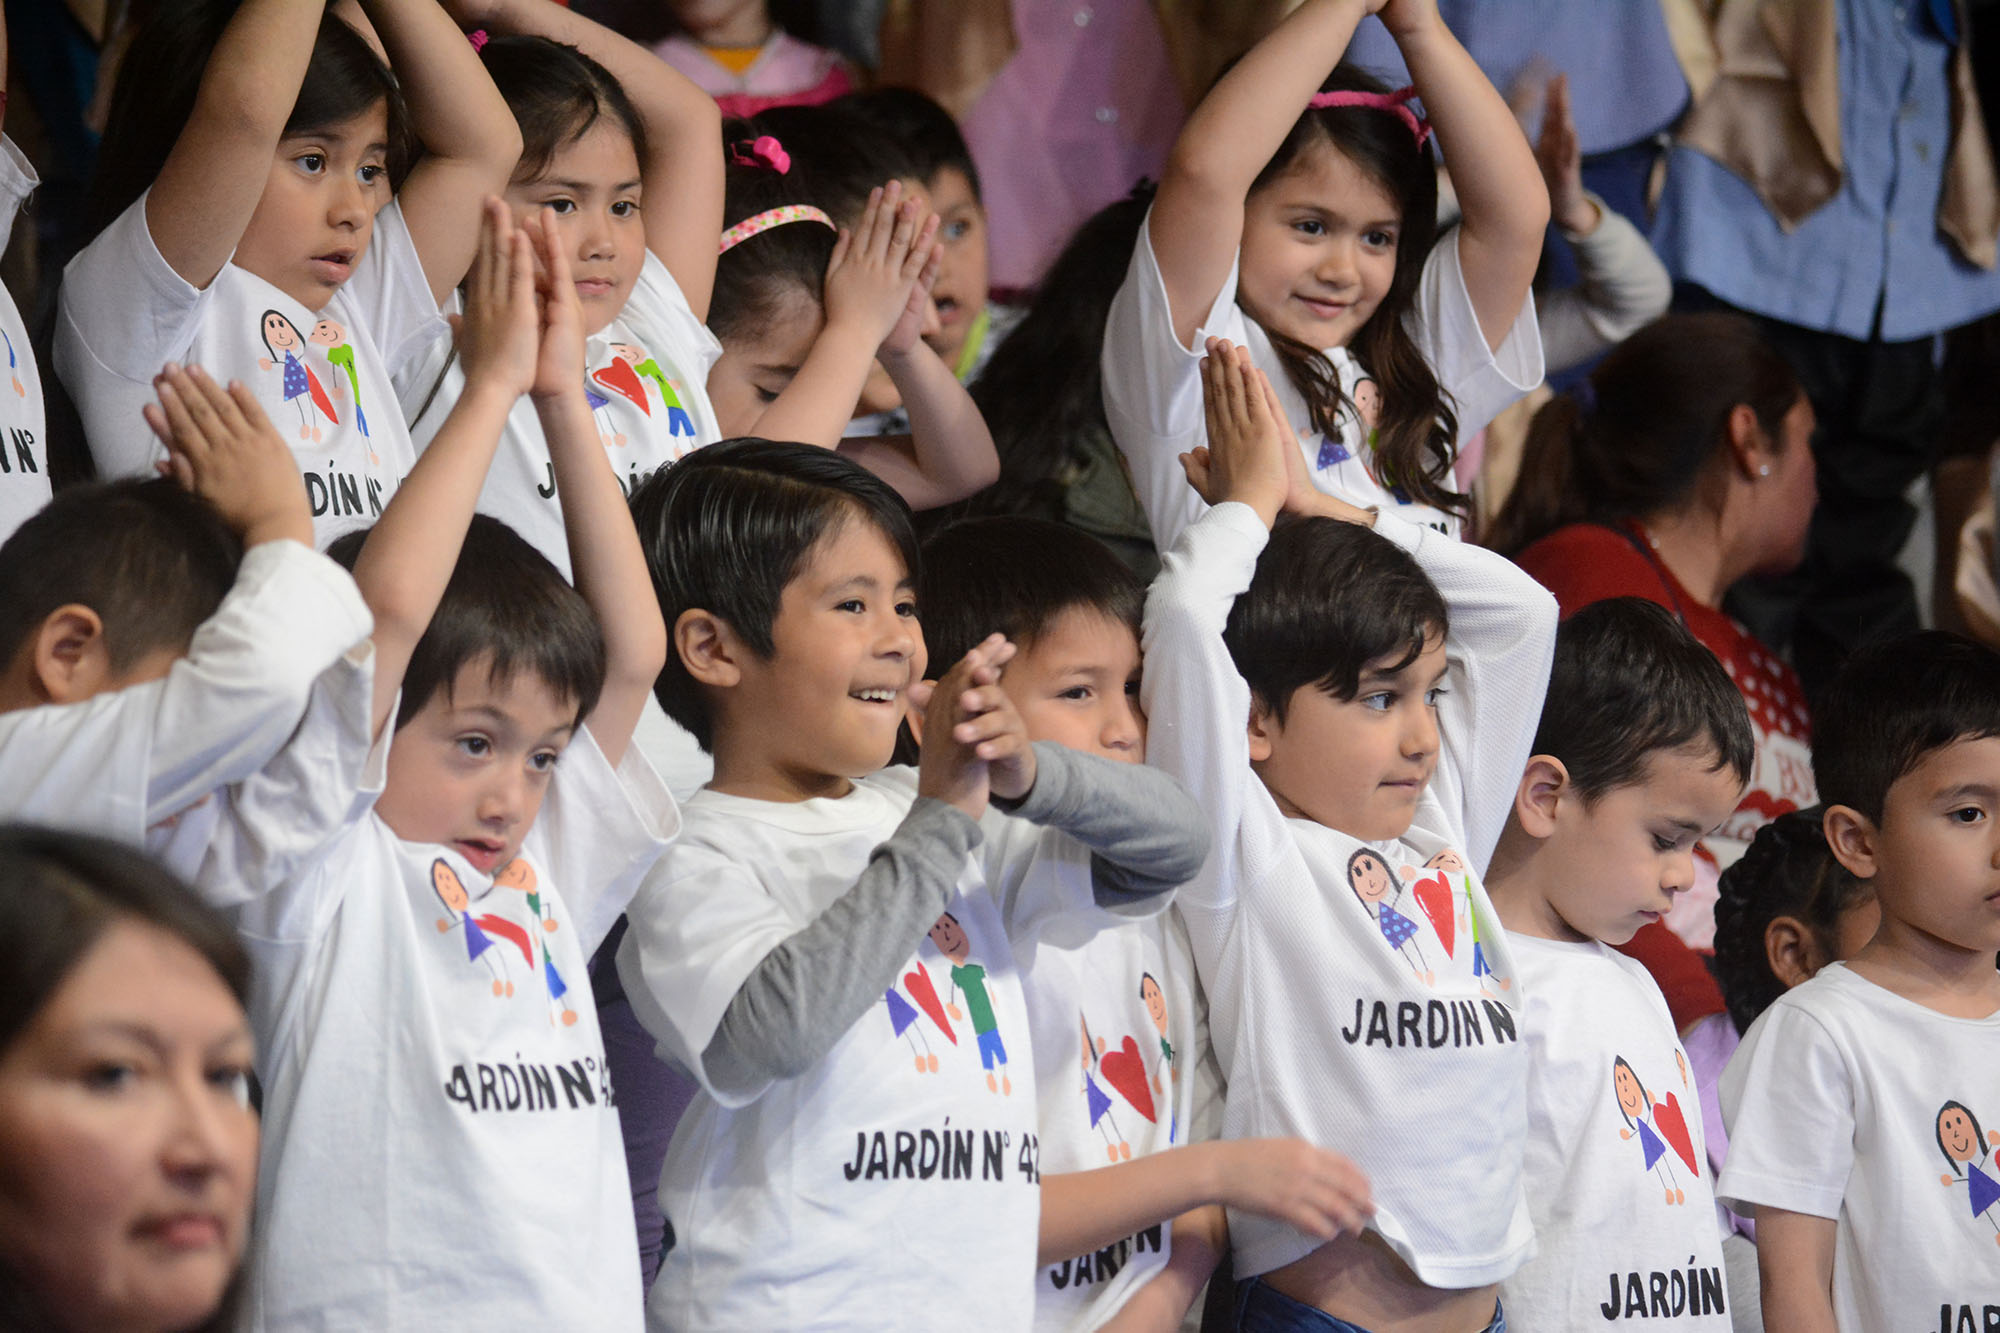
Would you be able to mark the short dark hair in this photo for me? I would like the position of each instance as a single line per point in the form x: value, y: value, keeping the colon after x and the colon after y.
x: 925, y: 130
x: 1629, y: 681
x: 1327, y: 599
x: 557, y: 93
x: 1788, y: 870
x: 1015, y: 576
x: 505, y: 603
x: 151, y: 559
x: 1895, y: 701
x: 726, y: 528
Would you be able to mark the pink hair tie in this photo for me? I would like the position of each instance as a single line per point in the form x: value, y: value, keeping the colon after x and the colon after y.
x: 478, y: 37
x: 1397, y: 102
x: 772, y: 217
x: 762, y: 151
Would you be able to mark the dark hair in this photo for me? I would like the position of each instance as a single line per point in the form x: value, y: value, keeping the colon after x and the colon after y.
x: 507, y: 604
x: 925, y: 130
x: 1978, y: 1137
x: 1418, y: 426
x: 1660, y: 405
x: 1327, y: 599
x: 728, y: 527
x: 1894, y: 702
x: 160, y: 77
x: 557, y: 93
x: 1016, y: 576
x: 1787, y: 870
x: 1629, y: 681
x: 152, y: 560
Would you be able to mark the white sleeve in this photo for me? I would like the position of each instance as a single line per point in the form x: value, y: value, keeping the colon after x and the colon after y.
x: 1198, y: 706
x: 1623, y: 286
x: 391, y: 294
x: 1788, y: 1100
x: 1501, y: 643
x: 600, y: 830
x: 1152, y: 385
x: 1480, y: 380
x: 17, y: 181
x: 659, y: 313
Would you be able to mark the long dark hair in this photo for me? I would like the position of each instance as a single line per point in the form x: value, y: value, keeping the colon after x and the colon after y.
x: 1637, y: 439
x: 1418, y: 426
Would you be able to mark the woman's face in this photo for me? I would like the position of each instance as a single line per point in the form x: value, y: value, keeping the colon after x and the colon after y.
x: 128, y: 1148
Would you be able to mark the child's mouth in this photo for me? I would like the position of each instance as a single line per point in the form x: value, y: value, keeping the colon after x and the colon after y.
x: 335, y: 267
x: 484, y: 854
x: 877, y: 695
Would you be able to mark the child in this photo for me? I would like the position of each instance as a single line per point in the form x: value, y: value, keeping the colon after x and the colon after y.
x: 1127, y: 1090
x: 158, y: 639
x: 743, y: 56
x: 254, y: 230
x: 441, y: 1143
x: 1855, y: 1101
x: 1359, y: 984
x: 823, y: 929
x: 1644, y: 746
x: 24, y: 476
x: 1296, y: 217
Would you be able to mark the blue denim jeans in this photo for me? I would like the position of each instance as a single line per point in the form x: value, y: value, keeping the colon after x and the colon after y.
x: 1259, y: 1309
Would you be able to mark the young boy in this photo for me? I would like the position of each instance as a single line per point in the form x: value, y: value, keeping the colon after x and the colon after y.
x: 1129, y: 1097
x: 1864, y: 1105
x: 1390, y: 681
x: 441, y: 1144
x: 828, y: 948
x: 1644, y: 746
x: 158, y: 639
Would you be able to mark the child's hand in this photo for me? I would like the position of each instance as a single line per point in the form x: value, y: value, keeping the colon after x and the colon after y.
x: 221, y: 446
x: 874, y: 267
x: 499, y: 335
x: 974, y: 742
x: 919, y: 320
x: 1560, y: 156
x: 1291, y: 1181
x: 559, y: 366
x: 1244, y: 459
x: 1405, y: 18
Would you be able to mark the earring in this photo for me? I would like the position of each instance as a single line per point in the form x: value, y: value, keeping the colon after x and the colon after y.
x: 1764, y: 470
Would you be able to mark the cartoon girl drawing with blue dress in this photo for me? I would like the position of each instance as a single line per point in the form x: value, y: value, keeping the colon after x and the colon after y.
x: 301, y: 387
x: 1377, y: 888
x: 1969, y: 1154
x: 1637, y: 1108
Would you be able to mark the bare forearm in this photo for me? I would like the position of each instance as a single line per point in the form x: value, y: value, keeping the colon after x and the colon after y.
x: 954, y: 452
x: 1087, y: 1210
x: 455, y: 110
x: 819, y: 402
x: 1198, y: 1239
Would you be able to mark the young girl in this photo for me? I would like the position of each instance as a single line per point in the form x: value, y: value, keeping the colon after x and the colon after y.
x: 744, y: 54
x: 1296, y: 217
x: 24, y: 473
x: 248, y: 163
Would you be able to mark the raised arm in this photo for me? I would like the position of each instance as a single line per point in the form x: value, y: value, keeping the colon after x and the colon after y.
x: 682, y: 172
x: 1196, y: 225
x: 413, y: 548
x: 470, y: 142
x: 604, y: 552
x: 1493, y: 169
x: 206, y: 193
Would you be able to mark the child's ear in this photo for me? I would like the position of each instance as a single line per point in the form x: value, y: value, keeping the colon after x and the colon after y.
x: 1792, y: 951
x: 1264, y: 728
x: 1544, y: 786
x: 708, y: 648
x: 69, y: 659
x: 1852, y: 837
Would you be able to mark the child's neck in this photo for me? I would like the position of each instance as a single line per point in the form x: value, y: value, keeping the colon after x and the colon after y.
x: 1930, y: 971
x: 1515, y: 882
x: 758, y: 777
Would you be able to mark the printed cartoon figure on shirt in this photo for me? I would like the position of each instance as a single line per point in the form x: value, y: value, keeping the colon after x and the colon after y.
x: 518, y: 875
x: 1166, y: 1074
x: 302, y: 388
x: 1097, y: 1102
x: 903, y: 1016
x: 1375, y: 885
x: 629, y: 364
x: 970, y: 978
x: 1969, y: 1154
x: 340, y: 355
x: 479, y: 930
x: 1655, y: 1124
x: 14, y: 366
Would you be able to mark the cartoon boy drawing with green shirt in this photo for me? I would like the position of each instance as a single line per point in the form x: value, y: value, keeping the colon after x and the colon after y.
x: 949, y: 937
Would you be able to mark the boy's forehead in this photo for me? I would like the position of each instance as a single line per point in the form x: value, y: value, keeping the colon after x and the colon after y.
x: 1082, y: 637
x: 1963, y: 763
x: 521, y: 699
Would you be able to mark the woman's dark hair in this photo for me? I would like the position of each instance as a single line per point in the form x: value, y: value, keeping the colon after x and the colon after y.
x: 1417, y: 429
x: 1327, y: 599
x: 726, y: 528
x: 557, y: 93
x: 160, y: 77
x: 1786, y: 871
x: 1628, y: 682
x: 1655, y: 411
x: 507, y: 604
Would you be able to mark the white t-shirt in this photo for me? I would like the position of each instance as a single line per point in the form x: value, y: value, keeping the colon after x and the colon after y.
x: 441, y: 1145
x: 646, y: 375
x: 1152, y: 384
x: 149, y: 765
x: 1377, y: 1027
x: 24, y: 444
x: 892, y: 1186
x: 1625, y: 1222
x: 1848, y: 1101
x: 321, y: 375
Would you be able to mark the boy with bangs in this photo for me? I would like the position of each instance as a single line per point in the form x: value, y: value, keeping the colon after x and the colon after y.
x: 1864, y: 1105
x: 829, y: 948
x: 1644, y: 746
x: 1352, y: 709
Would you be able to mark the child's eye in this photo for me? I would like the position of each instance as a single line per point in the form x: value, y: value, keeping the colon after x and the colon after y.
x: 764, y: 395
x: 1434, y: 694
x: 1132, y: 688
x: 561, y: 205
x: 1076, y: 694
x: 625, y: 208
x: 1381, y: 240
x: 311, y: 163
x: 1379, y: 701
x: 372, y: 172
x: 543, y: 761
x: 476, y: 747
x: 233, y: 1081
x: 907, y: 610
x: 109, y: 1076
x: 955, y: 231
x: 1309, y: 227
x: 1970, y: 814
x: 853, y: 604
x: 1661, y: 844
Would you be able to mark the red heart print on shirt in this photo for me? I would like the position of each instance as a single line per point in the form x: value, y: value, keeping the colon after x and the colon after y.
x: 1125, y: 1070
x: 918, y: 984
x: 1434, y: 896
x: 621, y: 379
x: 1673, y: 1127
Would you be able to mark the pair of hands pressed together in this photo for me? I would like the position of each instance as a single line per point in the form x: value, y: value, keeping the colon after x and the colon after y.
x: 975, y: 744
x: 878, y: 283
